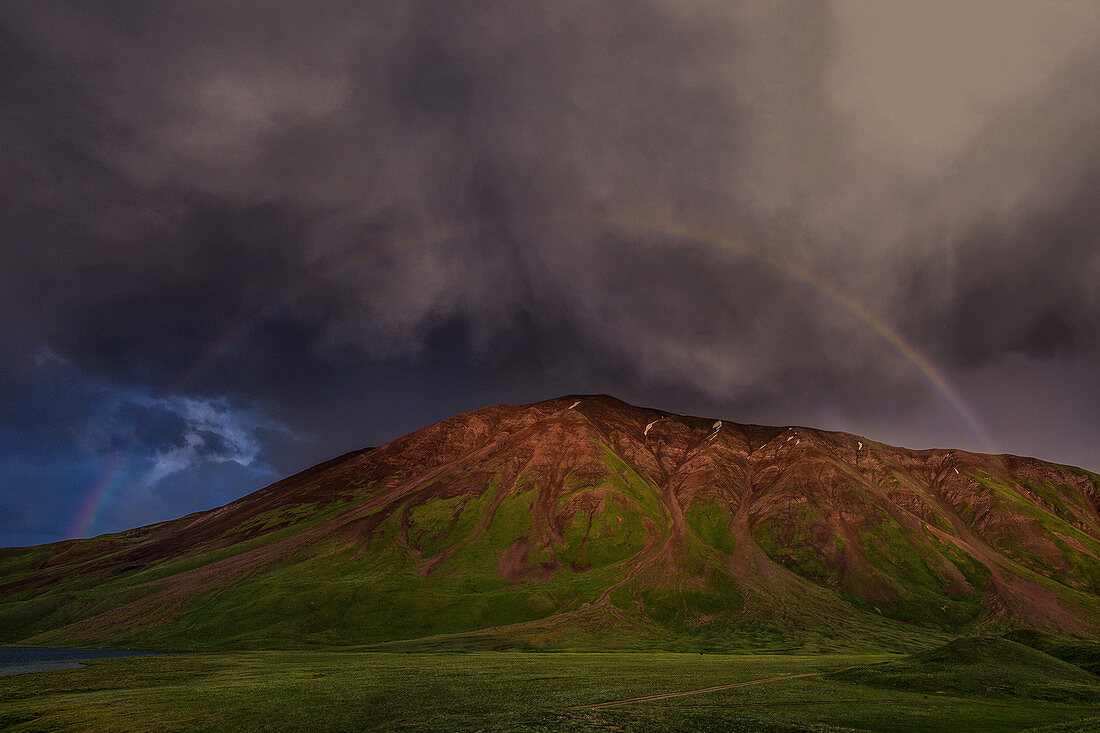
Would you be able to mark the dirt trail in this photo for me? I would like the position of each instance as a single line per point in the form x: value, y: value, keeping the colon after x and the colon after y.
x: 666, y: 695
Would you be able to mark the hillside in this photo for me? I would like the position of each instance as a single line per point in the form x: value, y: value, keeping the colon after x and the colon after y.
x: 585, y: 522
x: 982, y: 666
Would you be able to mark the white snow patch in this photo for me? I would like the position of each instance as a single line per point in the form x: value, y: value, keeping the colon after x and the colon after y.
x: 574, y: 405
x: 717, y: 424
x: 859, y: 445
x: 647, y: 427
x: 956, y: 470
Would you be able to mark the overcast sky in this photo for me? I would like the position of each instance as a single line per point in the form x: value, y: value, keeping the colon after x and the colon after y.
x: 241, y: 238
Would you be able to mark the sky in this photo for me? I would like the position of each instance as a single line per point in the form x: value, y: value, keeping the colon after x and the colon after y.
x: 241, y: 238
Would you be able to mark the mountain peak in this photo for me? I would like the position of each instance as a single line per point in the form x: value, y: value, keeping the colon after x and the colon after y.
x: 585, y: 517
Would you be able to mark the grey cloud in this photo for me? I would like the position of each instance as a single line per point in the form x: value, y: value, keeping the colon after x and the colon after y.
x: 270, y: 200
x: 158, y: 428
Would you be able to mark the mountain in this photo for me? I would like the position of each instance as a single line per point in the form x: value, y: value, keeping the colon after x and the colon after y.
x: 585, y: 522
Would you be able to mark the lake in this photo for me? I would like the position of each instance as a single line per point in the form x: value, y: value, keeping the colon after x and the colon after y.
x: 21, y: 659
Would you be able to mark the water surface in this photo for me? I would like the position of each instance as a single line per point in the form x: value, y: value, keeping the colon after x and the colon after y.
x: 22, y: 659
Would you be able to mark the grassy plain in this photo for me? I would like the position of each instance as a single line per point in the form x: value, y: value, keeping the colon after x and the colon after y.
x: 524, y: 691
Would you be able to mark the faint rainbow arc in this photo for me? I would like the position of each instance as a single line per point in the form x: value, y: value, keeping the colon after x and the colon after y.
x: 89, y: 511
x: 86, y: 514
x: 909, y: 351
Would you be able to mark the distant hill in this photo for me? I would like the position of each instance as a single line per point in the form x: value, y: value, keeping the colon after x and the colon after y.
x: 585, y: 522
x: 982, y: 666
x: 1080, y: 652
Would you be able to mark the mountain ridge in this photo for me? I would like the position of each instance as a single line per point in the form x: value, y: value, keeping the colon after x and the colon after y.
x: 583, y: 520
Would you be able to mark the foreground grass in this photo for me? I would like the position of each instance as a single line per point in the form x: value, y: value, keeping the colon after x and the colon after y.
x: 340, y: 690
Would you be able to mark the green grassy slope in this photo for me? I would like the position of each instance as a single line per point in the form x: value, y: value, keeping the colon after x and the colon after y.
x: 983, y: 666
x: 1079, y: 652
x: 590, y: 524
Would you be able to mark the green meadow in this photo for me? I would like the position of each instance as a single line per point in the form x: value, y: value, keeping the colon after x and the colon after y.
x: 532, y: 691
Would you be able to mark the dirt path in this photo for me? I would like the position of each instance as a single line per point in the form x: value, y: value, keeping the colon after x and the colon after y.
x: 666, y: 695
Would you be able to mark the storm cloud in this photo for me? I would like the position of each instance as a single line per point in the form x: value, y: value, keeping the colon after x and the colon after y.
x: 339, y: 221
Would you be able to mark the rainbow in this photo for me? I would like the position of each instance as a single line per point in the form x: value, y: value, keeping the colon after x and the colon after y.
x: 923, y: 364
x: 89, y: 510
x: 98, y: 494
x: 113, y: 472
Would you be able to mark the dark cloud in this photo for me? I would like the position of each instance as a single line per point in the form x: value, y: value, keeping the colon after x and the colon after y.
x: 1029, y: 289
x: 156, y: 427
x: 338, y: 222
x: 66, y: 433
